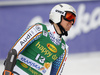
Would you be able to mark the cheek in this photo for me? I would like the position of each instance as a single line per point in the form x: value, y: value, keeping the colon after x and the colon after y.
x: 68, y: 27
x: 65, y: 24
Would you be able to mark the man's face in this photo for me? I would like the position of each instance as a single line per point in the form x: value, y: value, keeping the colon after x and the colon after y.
x: 66, y: 24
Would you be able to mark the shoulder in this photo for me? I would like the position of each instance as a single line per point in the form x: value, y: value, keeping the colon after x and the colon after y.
x: 40, y: 24
x: 35, y: 28
x: 38, y: 27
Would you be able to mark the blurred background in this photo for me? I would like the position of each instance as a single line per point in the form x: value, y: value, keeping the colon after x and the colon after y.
x: 83, y: 39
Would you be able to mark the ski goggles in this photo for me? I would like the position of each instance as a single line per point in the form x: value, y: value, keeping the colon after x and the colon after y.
x: 70, y: 17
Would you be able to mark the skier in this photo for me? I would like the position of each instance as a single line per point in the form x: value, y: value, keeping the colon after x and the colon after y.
x: 42, y: 46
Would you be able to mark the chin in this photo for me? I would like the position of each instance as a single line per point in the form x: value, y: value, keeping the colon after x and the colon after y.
x: 67, y: 29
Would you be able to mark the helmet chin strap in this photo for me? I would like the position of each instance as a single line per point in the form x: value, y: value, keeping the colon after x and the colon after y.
x: 62, y: 30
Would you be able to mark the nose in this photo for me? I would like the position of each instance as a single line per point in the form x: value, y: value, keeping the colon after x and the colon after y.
x: 71, y: 22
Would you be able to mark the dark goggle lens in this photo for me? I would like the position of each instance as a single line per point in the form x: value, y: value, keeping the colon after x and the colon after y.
x: 70, y: 17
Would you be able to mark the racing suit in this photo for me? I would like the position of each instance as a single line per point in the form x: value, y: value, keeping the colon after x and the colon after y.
x: 38, y: 48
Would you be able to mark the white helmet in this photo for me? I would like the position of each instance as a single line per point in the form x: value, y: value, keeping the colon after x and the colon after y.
x: 60, y: 10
